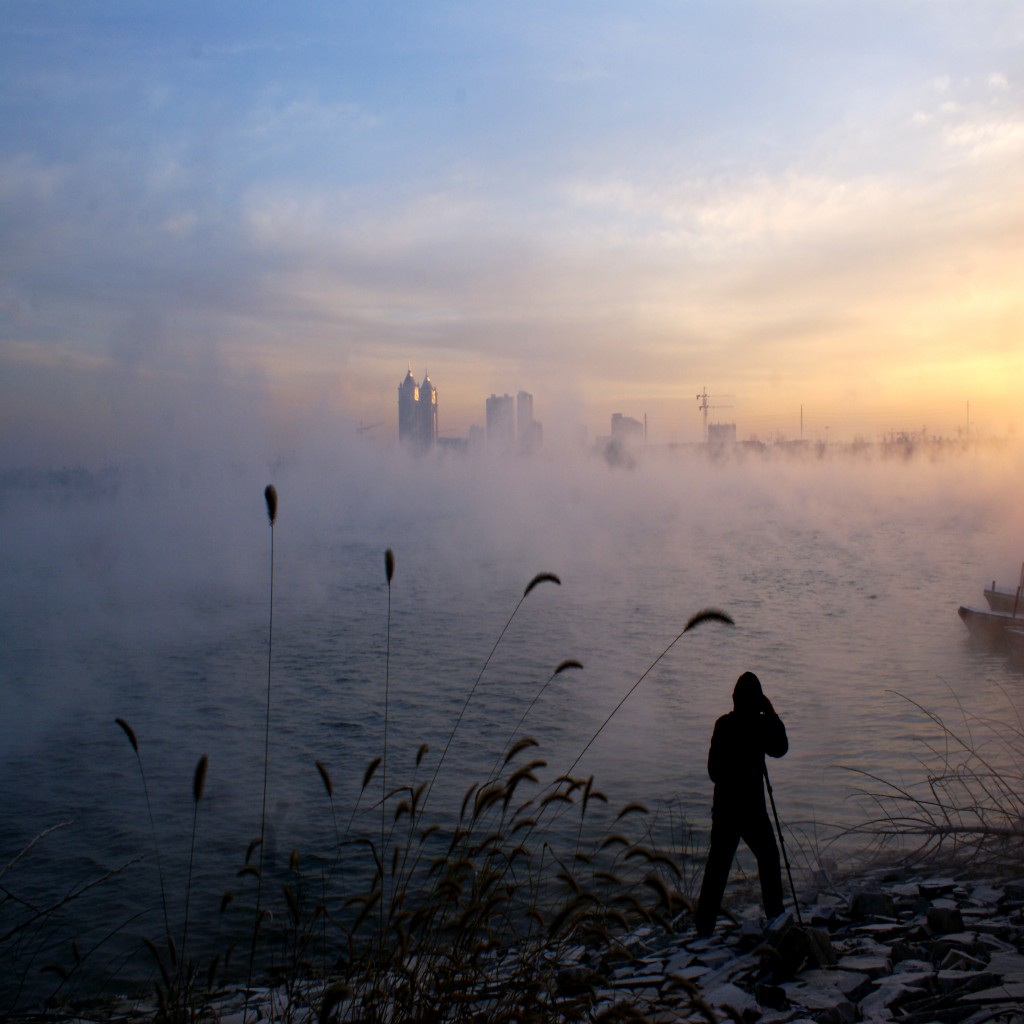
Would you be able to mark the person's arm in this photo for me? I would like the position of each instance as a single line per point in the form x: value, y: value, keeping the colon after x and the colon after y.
x: 776, y: 742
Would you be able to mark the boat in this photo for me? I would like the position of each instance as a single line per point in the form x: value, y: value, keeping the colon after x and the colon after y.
x: 1002, y: 599
x: 1005, y: 599
x: 986, y: 622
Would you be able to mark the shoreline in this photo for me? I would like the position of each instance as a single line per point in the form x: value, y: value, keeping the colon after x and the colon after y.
x: 913, y: 945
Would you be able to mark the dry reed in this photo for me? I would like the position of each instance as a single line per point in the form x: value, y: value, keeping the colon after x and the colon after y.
x: 967, y: 805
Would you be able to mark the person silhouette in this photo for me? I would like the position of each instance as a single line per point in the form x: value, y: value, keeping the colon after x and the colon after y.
x: 736, y: 766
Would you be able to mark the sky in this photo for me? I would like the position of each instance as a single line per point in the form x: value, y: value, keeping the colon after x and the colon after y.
x: 241, y: 224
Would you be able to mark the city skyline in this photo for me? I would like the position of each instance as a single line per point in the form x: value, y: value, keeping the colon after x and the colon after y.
x: 508, y: 420
x: 225, y: 229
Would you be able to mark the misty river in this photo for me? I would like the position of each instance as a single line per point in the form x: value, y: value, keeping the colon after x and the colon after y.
x: 143, y: 593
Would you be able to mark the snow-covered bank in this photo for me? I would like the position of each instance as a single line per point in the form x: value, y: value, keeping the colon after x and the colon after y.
x: 908, y: 948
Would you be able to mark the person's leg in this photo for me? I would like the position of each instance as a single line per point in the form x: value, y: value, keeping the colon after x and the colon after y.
x: 725, y: 837
x: 760, y: 837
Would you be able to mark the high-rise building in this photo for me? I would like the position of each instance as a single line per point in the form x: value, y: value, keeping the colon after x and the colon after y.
x: 428, y: 411
x: 626, y: 428
x: 524, y: 410
x: 528, y: 430
x: 408, y: 403
x: 501, y: 420
x: 721, y: 433
x: 417, y: 412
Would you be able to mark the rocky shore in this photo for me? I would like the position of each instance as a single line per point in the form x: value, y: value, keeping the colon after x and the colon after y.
x: 915, y: 950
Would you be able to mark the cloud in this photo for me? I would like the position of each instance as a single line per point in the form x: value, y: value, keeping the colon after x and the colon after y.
x: 983, y: 140
x: 301, y: 207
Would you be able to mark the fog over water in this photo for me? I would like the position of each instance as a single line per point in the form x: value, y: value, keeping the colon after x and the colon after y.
x: 144, y: 593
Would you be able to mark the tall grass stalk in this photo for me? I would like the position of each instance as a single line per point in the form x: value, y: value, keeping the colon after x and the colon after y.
x: 707, y: 615
x: 198, y: 785
x: 563, y: 666
x: 134, y: 741
x: 407, y: 862
x: 389, y: 572
x: 270, y: 497
x: 541, y: 577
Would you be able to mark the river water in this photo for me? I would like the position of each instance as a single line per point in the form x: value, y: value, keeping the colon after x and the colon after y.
x: 144, y: 594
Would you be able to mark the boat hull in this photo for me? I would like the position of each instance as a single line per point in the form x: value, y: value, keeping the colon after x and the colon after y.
x: 985, y: 622
x: 1014, y: 636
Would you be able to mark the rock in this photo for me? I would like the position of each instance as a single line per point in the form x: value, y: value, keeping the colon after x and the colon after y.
x: 991, y: 943
x: 778, y: 926
x: 1000, y: 993
x: 987, y: 895
x: 1009, y: 1011
x: 958, y: 960
x: 944, y: 920
x: 902, y: 952
x: 794, y: 950
x: 1009, y: 965
x: 578, y: 981
x: 771, y: 996
x: 1014, y: 890
x: 893, y: 993
x: 923, y: 978
x: 936, y: 887
x: 910, y: 966
x: 815, y: 999
x: 852, y: 985
x: 730, y: 995
x: 866, y: 905
x: 964, y: 981
x: 678, y: 962
x: 869, y: 964
x: 965, y: 942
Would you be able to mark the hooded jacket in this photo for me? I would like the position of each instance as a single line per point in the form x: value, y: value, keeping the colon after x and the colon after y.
x: 739, y: 744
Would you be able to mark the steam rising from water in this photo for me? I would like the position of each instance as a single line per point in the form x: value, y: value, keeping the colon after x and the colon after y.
x: 145, y: 557
x: 142, y: 595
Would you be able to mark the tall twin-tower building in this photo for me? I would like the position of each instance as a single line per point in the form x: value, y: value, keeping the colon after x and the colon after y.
x: 417, y: 412
x: 510, y: 422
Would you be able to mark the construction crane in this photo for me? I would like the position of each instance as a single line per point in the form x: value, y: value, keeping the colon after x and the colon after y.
x: 702, y: 404
x: 369, y: 426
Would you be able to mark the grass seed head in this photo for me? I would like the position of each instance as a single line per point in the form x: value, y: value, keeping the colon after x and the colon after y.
x: 130, y: 733
x: 541, y: 577
x: 371, y: 770
x: 709, y: 615
x: 325, y: 775
x: 199, y: 779
x: 567, y: 664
